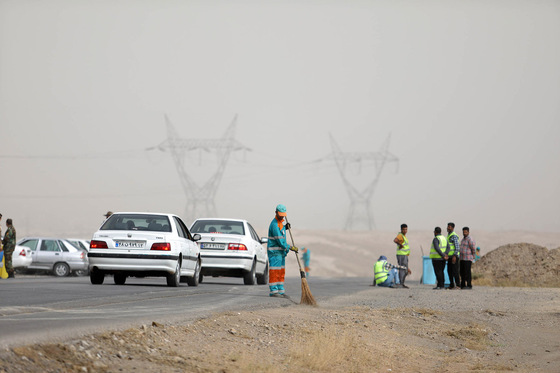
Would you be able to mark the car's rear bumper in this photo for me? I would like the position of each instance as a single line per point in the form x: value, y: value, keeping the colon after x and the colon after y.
x: 18, y: 263
x: 131, y: 262
x: 225, y: 261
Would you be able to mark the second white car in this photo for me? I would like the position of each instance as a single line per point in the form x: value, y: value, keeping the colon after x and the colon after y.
x: 232, y: 248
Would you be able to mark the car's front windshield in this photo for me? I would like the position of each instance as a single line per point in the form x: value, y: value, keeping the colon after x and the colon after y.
x: 137, y: 222
x: 218, y: 226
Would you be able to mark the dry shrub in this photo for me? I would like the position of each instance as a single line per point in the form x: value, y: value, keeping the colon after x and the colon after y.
x: 331, y: 350
x: 250, y: 362
x: 474, y: 336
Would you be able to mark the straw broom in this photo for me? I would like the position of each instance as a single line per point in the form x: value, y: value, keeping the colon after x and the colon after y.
x: 306, y: 296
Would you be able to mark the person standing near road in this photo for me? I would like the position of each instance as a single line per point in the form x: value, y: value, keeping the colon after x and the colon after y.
x: 306, y: 257
x: 468, y: 253
x: 477, y: 256
x: 0, y: 233
x: 438, y: 254
x: 278, y: 248
x: 453, y: 261
x: 386, y: 274
x: 403, y: 251
x: 9, y: 242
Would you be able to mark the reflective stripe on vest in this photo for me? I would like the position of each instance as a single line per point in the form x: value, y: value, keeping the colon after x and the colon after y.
x: 405, y: 249
x: 380, y: 271
x: 452, y: 249
x: 442, y: 246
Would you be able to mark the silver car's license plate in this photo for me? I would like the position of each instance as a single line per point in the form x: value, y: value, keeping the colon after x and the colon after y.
x: 130, y: 244
x: 215, y: 246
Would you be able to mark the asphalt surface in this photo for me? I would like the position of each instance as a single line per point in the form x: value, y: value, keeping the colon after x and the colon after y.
x: 46, y: 309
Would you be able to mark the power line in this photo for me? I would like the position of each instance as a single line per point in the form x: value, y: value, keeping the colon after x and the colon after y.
x: 104, y: 155
x: 360, y: 200
x: 200, y: 198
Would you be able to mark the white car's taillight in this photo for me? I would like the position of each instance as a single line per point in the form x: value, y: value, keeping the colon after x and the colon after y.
x: 236, y: 246
x: 22, y: 253
x: 98, y: 245
x: 165, y: 246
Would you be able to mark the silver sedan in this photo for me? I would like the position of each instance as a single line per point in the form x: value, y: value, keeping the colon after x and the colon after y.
x: 55, y: 255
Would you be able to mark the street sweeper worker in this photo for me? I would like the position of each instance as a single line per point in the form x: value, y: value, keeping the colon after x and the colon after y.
x: 278, y: 248
x: 386, y: 274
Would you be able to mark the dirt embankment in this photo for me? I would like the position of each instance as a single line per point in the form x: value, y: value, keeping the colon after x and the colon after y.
x: 519, y: 264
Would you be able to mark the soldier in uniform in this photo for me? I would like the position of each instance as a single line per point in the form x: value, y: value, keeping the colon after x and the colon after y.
x: 9, y: 242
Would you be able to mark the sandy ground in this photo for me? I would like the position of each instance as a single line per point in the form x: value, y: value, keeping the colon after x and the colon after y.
x: 489, y: 329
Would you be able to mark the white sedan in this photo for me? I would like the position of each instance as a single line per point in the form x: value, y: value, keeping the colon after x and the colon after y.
x: 232, y: 248
x: 144, y: 244
x: 21, y: 257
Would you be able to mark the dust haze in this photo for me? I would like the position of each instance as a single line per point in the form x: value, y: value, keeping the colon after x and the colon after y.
x: 467, y: 93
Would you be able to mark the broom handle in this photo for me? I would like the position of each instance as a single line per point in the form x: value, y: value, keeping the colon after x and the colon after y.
x: 301, y: 272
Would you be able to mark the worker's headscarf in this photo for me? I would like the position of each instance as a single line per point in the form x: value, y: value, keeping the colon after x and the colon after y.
x: 281, y: 211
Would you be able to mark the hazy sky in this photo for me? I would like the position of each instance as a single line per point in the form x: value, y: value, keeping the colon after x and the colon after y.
x: 469, y: 92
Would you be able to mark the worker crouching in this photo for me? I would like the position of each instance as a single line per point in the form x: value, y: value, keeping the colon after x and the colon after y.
x: 387, y: 274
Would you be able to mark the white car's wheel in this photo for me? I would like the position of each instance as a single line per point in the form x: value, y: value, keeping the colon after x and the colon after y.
x: 194, y: 280
x: 250, y: 277
x: 263, y: 279
x: 119, y: 278
x: 174, y: 279
x: 96, y: 277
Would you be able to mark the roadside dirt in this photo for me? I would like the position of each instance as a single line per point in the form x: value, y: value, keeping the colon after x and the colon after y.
x: 377, y: 330
x: 487, y: 329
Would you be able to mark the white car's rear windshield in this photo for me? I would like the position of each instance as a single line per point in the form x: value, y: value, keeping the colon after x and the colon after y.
x: 137, y: 222
x: 218, y: 226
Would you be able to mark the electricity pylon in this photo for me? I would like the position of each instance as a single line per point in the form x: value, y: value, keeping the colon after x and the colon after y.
x: 200, y: 198
x: 360, y: 200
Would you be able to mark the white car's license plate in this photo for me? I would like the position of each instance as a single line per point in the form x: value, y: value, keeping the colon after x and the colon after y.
x: 130, y: 244
x: 215, y: 246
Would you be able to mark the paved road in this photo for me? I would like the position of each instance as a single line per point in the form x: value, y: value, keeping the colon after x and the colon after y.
x: 44, y: 308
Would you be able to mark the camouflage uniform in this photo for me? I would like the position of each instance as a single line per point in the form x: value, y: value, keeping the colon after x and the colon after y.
x: 9, y: 242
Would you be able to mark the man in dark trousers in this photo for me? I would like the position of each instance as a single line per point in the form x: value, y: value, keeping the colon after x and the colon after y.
x: 468, y: 253
x: 453, y: 261
x: 438, y: 254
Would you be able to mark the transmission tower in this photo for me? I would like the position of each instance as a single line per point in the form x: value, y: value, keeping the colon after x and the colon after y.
x: 200, y: 198
x: 360, y: 199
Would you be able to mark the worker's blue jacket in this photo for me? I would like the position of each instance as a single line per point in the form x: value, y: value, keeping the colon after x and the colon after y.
x: 277, y: 237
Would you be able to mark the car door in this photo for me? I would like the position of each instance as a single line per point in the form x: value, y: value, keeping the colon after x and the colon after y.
x: 183, y: 242
x: 49, y: 253
x: 256, y: 242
